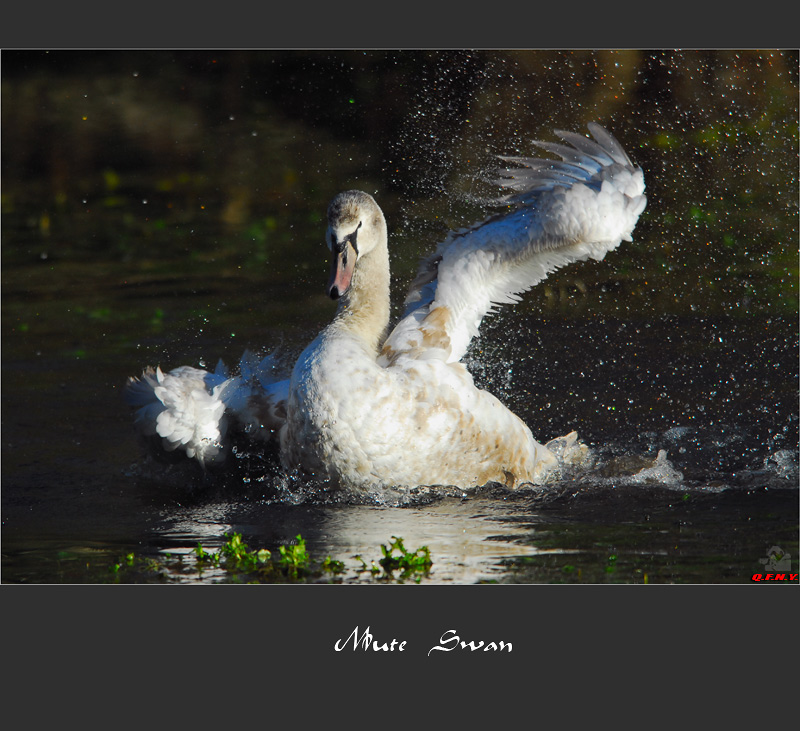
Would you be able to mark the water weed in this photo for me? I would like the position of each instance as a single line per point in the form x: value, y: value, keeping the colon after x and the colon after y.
x: 236, y: 562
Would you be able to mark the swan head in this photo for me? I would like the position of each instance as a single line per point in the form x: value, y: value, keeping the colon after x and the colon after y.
x: 355, y: 227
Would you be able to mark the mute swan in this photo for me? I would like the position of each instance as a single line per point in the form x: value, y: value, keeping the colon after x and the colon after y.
x: 362, y: 410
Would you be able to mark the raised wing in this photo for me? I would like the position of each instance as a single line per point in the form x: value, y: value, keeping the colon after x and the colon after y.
x: 578, y: 208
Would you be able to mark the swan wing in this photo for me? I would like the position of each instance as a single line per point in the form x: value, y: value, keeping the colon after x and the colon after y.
x: 184, y: 407
x: 191, y: 409
x: 559, y: 211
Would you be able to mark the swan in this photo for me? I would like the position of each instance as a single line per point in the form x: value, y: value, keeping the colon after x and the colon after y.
x: 367, y: 408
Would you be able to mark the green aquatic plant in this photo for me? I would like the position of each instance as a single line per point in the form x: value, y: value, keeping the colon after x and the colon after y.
x: 333, y: 566
x: 292, y: 562
x: 127, y: 561
x: 294, y: 559
x: 373, y: 567
x: 238, y: 556
x: 203, y: 557
x: 136, y: 568
x: 408, y: 563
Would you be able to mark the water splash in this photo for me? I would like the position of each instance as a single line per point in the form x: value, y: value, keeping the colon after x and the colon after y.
x: 784, y: 464
x: 661, y: 472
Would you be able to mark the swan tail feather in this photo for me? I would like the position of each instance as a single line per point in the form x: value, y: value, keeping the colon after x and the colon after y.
x: 184, y: 408
x: 192, y: 410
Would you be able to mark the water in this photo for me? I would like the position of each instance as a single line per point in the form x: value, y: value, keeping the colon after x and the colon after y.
x: 675, y: 359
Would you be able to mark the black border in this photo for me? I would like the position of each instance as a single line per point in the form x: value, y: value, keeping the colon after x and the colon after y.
x: 414, y: 24
x: 158, y: 654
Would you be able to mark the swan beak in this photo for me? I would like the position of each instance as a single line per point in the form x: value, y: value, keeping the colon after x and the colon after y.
x: 342, y: 264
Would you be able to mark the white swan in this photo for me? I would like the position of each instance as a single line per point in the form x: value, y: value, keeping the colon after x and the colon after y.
x: 363, y: 410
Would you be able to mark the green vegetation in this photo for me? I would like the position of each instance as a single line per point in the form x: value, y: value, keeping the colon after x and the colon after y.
x: 236, y: 562
x: 294, y: 559
x: 237, y: 556
x: 407, y: 563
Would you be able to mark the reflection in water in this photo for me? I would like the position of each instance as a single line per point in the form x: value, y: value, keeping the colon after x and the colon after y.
x: 205, y: 524
x: 465, y: 543
x: 636, y: 512
x: 466, y: 537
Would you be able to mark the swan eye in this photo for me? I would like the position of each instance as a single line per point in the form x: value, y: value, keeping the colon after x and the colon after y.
x: 351, y: 238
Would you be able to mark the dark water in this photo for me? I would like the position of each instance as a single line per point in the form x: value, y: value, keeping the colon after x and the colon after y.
x: 166, y: 210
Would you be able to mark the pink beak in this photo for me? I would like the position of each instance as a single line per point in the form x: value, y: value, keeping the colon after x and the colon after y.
x: 342, y: 265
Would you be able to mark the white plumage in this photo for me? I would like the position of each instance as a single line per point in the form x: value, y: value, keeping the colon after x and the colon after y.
x: 362, y: 410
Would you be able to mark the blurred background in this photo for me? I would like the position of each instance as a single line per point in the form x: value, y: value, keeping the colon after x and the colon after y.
x: 117, y: 156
